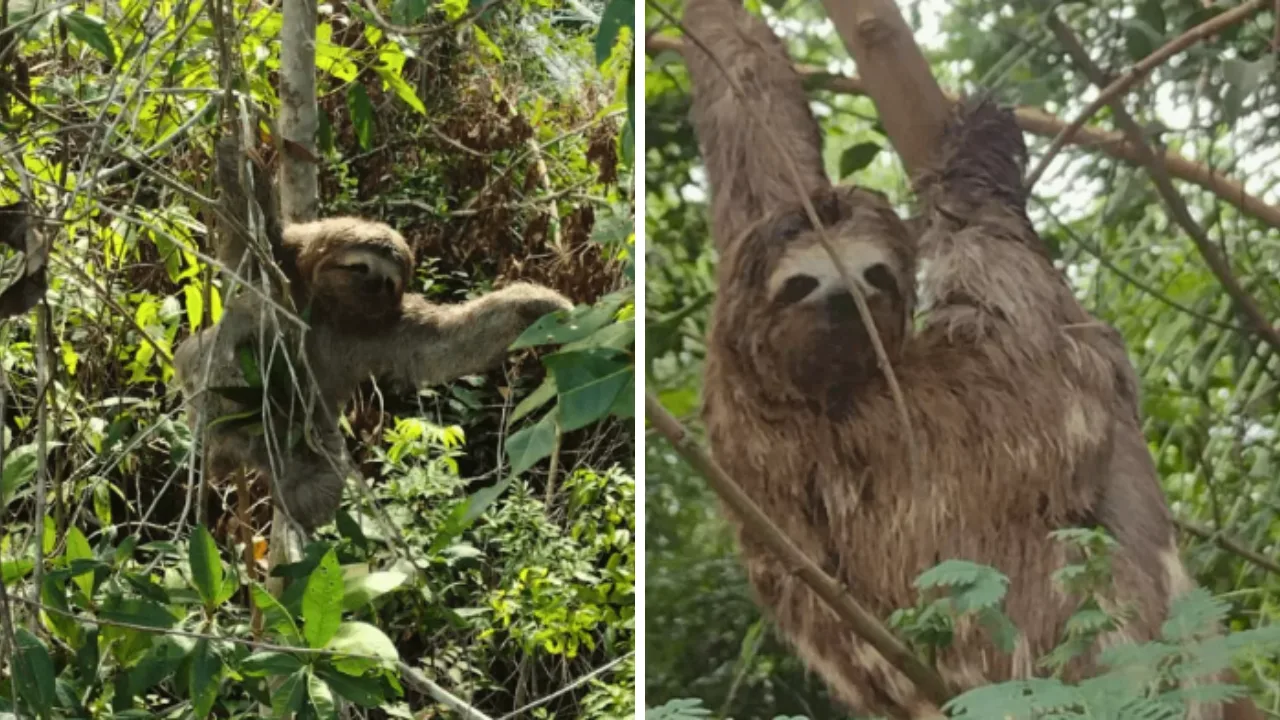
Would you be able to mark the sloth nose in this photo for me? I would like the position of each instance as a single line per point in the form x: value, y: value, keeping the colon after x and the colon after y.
x: 842, y: 307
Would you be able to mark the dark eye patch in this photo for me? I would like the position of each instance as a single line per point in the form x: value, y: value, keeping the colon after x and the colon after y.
x: 359, y: 268
x: 880, y: 278
x: 796, y: 289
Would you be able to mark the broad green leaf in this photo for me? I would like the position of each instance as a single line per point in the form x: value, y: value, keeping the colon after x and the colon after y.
x: 78, y: 549
x: 408, y: 12
x: 321, y: 698
x: 288, y: 698
x: 536, y: 399
x: 361, y: 638
x: 274, y: 614
x: 322, y: 601
x: 1243, y: 80
x: 161, y: 661
x: 19, y: 467
x: 578, y: 323
x: 361, y: 109
x: 362, y: 590
x: 617, y: 15
x: 589, y: 382
x: 529, y: 445
x: 194, y: 298
x: 403, y: 90
x: 363, y: 690
x: 466, y: 512
x: 270, y: 663
x: 857, y: 157
x: 205, y: 670
x: 139, y: 611
x: 206, y: 566
x: 91, y: 31
x: 102, y: 502
x: 33, y: 669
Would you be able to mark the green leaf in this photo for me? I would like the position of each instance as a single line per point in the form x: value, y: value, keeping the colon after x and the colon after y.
x: 248, y: 365
x: 576, y: 324
x: 589, y: 382
x: 466, y: 512
x: 138, y: 611
x: 536, y: 399
x: 359, y: 638
x: 161, y: 660
x: 618, y: 14
x: 1140, y: 39
x: 19, y: 467
x: 363, y: 690
x: 362, y: 590
x: 34, y: 672
x: 321, y: 698
x: 529, y: 445
x: 270, y: 663
x: 857, y: 157
x: 408, y: 12
x: 322, y: 601
x: 287, y: 699
x: 194, y: 304
x: 204, y: 674
x: 274, y: 614
x: 91, y: 31
x: 206, y: 566
x: 78, y: 549
x: 403, y: 90
x: 361, y: 110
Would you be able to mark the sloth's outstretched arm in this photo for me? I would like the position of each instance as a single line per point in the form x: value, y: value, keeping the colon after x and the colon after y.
x: 433, y: 344
x: 748, y: 176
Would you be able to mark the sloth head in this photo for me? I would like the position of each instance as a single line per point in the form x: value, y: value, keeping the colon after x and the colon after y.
x: 352, y: 272
x: 786, y: 309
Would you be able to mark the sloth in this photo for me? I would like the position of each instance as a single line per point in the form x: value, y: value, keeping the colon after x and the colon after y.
x: 1024, y: 408
x: 348, y: 275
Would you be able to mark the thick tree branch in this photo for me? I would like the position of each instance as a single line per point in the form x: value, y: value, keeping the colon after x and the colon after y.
x: 859, y: 620
x: 912, y: 107
x: 1177, y: 207
x: 1038, y: 122
x: 1121, y: 85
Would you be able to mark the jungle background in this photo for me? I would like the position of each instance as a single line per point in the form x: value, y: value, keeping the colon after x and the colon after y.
x: 1210, y: 368
x: 497, y: 138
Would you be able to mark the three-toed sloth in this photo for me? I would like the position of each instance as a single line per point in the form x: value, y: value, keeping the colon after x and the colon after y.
x: 349, y: 277
x: 1024, y: 407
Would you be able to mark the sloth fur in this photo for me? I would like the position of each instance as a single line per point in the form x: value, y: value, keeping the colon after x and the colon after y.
x: 349, y: 276
x: 1023, y: 406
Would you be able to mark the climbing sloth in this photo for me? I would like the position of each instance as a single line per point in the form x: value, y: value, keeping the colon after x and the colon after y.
x: 348, y: 277
x: 1023, y: 406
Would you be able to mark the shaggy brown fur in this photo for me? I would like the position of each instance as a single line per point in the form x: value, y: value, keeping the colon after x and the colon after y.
x: 351, y: 275
x: 1024, y: 407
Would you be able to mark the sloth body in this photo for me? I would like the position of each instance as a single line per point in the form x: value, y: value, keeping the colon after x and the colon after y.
x: 351, y: 273
x: 1014, y: 417
x: 1023, y: 407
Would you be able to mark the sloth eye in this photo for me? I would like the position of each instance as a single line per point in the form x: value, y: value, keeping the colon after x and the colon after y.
x: 359, y: 268
x: 796, y: 289
x: 879, y: 277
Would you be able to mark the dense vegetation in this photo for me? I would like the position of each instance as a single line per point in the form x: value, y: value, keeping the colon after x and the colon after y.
x: 1211, y: 376
x: 496, y: 137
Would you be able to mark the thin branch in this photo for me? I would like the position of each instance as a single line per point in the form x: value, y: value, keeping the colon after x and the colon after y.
x: 1113, y: 92
x: 1178, y: 212
x: 763, y: 529
x: 1226, y: 543
x: 1038, y: 122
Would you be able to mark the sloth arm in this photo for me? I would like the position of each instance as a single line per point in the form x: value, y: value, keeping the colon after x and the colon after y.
x: 740, y: 140
x: 433, y: 344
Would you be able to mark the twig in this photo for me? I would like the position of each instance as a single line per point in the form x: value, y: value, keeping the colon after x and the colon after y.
x: 1178, y: 212
x: 763, y: 529
x: 854, y: 290
x: 567, y: 688
x: 1111, y: 94
x: 1226, y: 543
x: 1038, y: 122
x: 383, y: 23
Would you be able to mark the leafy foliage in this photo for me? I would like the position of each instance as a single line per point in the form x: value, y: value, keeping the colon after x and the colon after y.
x: 496, y: 137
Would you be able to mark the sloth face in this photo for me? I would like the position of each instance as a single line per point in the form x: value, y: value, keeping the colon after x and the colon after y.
x: 361, y: 287
x: 799, y: 320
